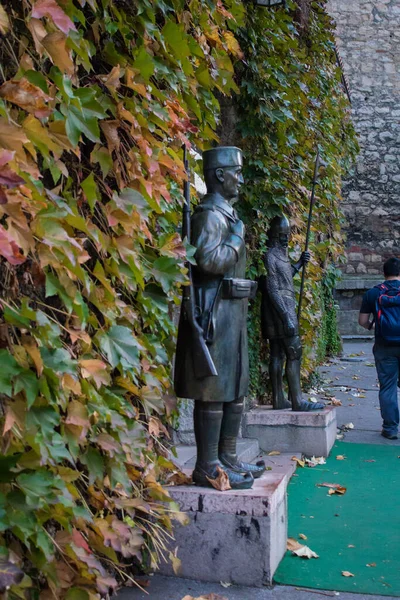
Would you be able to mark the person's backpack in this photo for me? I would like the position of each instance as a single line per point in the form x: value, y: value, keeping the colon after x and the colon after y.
x: 388, y: 313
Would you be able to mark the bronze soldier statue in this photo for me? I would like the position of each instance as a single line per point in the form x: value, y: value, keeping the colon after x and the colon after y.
x: 279, y: 319
x: 221, y: 296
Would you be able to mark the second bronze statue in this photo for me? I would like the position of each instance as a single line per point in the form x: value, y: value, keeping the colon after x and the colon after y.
x: 279, y: 319
x: 221, y: 295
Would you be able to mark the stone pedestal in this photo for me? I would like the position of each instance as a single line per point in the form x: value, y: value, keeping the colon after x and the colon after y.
x: 311, y: 433
x: 237, y: 537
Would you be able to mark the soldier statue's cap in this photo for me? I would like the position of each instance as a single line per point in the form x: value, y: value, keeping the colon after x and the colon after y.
x: 222, y: 157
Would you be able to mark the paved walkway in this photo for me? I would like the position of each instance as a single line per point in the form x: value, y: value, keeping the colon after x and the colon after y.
x: 352, y: 380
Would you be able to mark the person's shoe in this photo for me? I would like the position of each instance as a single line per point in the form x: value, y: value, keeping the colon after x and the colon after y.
x: 389, y: 436
x: 242, y: 467
x: 237, y: 481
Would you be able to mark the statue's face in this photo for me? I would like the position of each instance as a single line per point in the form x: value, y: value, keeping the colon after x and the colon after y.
x: 231, y: 179
x: 284, y: 239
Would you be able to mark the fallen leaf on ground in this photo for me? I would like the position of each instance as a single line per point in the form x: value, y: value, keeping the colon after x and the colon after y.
x: 339, y: 490
x: 351, y: 546
x: 373, y: 460
x: 302, y: 536
x: 347, y: 574
x: 175, y: 561
x: 371, y: 564
x: 335, y: 487
x: 339, y: 436
x: 335, y: 402
x: 369, y: 364
x: 221, y: 482
x: 301, y: 463
x: 358, y: 395
x: 356, y: 377
x: 300, y: 549
x: 314, y: 461
x: 225, y: 584
x: 178, y: 478
x: 351, y: 405
x: 341, y: 457
x: 274, y: 453
x: 347, y: 426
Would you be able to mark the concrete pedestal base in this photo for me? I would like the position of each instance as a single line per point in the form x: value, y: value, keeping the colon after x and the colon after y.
x: 236, y: 537
x: 311, y: 433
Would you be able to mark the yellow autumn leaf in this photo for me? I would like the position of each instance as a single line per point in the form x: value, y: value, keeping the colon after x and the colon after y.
x: 55, y: 46
x: 4, y: 22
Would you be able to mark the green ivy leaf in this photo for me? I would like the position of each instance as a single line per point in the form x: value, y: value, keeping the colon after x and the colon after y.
x: 120, y: 347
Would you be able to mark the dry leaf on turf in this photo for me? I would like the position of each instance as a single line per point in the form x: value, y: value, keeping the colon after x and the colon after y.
x: 301, y: 463
x: 221, y: 482
x: 274, y: 453
x: 347, y: 574
x: 178, y: 478
x: 300, y: 549
x: 371, y: 565
x: 314, y: 461
x: 335, y: 488
x: 302, y: 536
x: 341, y: 457
x: 351, y: 546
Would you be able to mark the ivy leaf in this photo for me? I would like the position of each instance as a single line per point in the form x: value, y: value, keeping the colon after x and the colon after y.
x: 78, y: 122
x: 9, y: 368
x: 90, y: 190
x: 10, y: 575
x: 95, y: 464
x: 50, y: 8
x: 58, y: 360
x: 28, y: 382
x: 166, y: 271
x: 120, y: 347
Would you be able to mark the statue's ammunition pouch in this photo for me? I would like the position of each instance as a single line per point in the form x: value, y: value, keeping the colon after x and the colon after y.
x: 233, y: 289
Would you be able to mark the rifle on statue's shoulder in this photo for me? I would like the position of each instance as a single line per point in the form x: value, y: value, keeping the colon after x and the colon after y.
x: 203, y: 364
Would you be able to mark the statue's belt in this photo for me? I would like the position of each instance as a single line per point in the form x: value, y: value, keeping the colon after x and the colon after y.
x: 233, y: 288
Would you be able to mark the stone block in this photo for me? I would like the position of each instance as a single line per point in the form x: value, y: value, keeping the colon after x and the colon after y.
x: 237, y: 536
x: 311, y: 433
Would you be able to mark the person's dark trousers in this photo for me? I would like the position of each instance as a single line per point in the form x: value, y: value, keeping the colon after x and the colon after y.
x: 387, y: 360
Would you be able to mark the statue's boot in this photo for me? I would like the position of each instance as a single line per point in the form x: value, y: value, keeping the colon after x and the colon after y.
x: 296, y: 396
x: 207, y: 429
x: 227, y: 441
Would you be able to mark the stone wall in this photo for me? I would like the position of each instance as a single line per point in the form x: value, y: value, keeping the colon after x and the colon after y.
x: 368, y: 35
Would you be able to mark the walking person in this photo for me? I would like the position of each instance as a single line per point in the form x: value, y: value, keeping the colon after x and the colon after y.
x: 383, y: 302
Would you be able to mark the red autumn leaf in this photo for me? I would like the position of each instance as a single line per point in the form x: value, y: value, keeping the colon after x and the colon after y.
x: 80, y: 541
x: 9, y: 178
x: 26, y: 95
x: 50, y: 8
x: 9, y: 249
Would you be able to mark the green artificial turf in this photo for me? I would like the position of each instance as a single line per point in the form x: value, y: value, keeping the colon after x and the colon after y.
x: 367, y: 517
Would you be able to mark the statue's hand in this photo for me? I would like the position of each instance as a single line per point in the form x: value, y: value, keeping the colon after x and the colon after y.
x: 290, y: 328
x: 238, y: 228
x: 305, y: 257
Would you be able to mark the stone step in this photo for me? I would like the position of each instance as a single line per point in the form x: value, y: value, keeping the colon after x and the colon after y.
x: 236, y: 536
x: 311, y: 433
x: 248, y: 450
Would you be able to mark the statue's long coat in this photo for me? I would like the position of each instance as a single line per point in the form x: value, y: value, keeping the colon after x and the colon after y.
x: 219, y: 254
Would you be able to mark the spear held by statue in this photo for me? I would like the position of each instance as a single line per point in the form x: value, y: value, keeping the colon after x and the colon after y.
x: 318, y: 164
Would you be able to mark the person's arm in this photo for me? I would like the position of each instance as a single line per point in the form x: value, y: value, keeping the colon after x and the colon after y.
x: 367, y: 307
x: 363, y: 320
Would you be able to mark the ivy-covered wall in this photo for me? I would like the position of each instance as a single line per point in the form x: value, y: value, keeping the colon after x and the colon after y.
x: 97, y: 98
x: 291, y: 103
